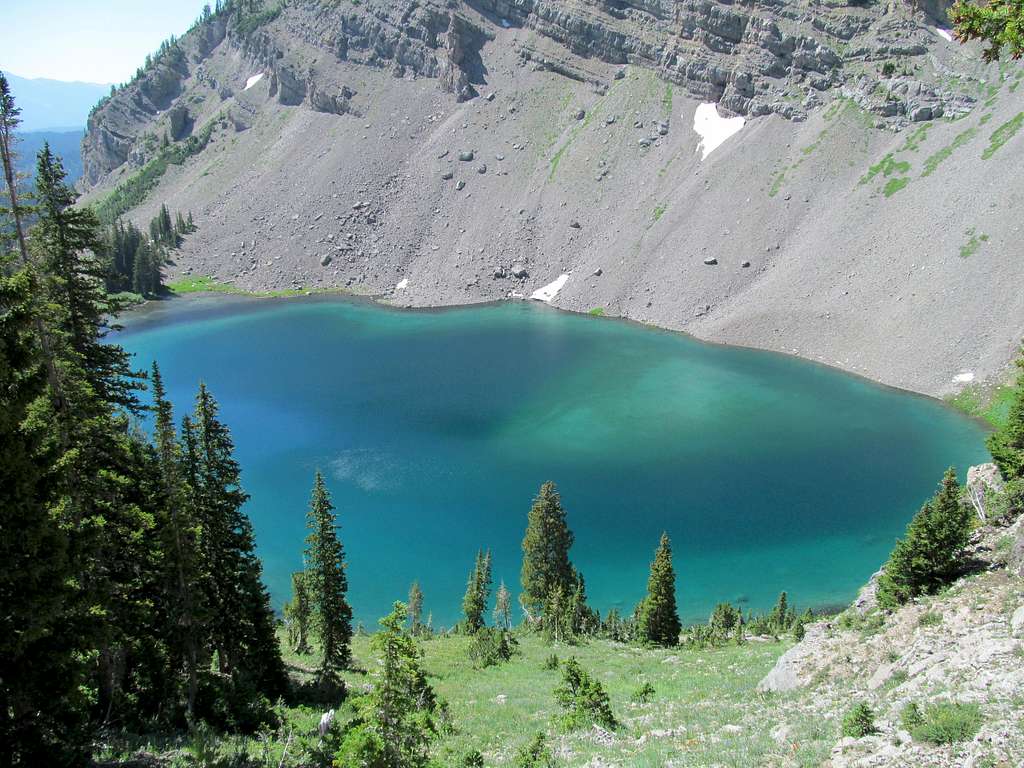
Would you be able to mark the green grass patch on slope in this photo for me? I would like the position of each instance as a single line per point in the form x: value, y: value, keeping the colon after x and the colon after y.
x: 1003, y: 134
x: 207, y: 284
x: 887, y: 166
x: 973, y: 244
x: 935, y: 160
x: 991, y: 404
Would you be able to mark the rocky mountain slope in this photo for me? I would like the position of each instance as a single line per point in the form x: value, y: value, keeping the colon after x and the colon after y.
x: 962, y: 647
x: 435, y: 152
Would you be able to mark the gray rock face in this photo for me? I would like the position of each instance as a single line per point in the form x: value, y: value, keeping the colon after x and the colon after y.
x: 753, y: 59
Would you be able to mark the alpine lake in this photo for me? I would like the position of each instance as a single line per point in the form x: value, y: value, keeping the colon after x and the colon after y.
x: 435, y: 429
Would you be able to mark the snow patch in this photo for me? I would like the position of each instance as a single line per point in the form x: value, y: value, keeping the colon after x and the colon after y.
x: 945, y: 34
x: 252, y: 81
x: 713, y: 128
x: 964, y: 377
x: 506, y: 23
x: 549, y: 291
x: 402, y: 284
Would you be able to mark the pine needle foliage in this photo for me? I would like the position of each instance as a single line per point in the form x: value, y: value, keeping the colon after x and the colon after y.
x: 658, y: 619
x: 931, y: 554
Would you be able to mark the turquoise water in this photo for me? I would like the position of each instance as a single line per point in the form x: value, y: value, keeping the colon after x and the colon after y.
x: 435, y: 429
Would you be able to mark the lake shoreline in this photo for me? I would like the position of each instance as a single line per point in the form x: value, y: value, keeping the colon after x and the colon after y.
x: 217, y: 298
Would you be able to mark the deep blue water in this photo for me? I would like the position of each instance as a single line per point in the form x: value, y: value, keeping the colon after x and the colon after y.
x: 435, y: 429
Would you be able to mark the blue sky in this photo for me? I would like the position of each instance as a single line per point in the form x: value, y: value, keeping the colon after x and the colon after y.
x: 96, y: 41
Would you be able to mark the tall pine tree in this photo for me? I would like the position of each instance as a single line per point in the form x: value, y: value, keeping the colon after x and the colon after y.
x: 242, y: 623
x: 328, y: 585
x: 478, y: 592
x: 546, y: 553
x: 658, y: 619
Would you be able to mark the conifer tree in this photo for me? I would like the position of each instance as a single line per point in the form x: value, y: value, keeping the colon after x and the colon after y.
x: 658, y: 619
x: 41, y: 668
x: 298, y: 614
x: 397, y: 717
x: 416, y: 608
x: 242, y: 623
x: 931, y: 554
x: 546, y: 552
x: 478, y: 592
x: 181, y: 559
x: 67, y: 239
x: 503, y: 608
x: 998, y: 23
x: 1006, y: 444
x: 328, y: 585
x: 107, y: 487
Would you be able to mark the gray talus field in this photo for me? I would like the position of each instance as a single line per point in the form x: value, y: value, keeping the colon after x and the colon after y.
x: 866, y: 214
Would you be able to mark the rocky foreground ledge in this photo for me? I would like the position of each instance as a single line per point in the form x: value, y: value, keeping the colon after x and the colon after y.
x: 965, y: 645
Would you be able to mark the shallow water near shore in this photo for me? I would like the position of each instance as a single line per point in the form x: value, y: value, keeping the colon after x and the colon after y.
x: 435, y: 429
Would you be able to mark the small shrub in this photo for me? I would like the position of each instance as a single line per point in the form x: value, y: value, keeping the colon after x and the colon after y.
x: 491, y: 647
x: 930, y: 619
x: 535, y: 754
x: 888, y: 69
x: 473, y: 759
x: 583, y: 699
x: 910, y: 717
x: 947, y: 722
x: 361, y: 748
x: 859, y: 721
x: 643, y: 694
x: 551, y: 662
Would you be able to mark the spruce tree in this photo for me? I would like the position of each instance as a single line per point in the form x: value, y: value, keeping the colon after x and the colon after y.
x: 242, y: 623
x: 67, y: 240
x: 658, y: 619
x: 931, y: 554
x: 298, y: 614
x: 546, y: 552
x: 182, y: 563
x: 328, y: 585
x: 478, y: 591
x: 1006, y: 444
x: 416, y: 608
x: 396, y: 719
x: 503, y: 608
x: 41, y: 664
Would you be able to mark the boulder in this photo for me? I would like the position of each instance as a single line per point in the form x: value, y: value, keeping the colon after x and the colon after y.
x: 461, y: 185
x: 325, y: 260
x: 579, y: 114
x: 1017, y: 622
x: 466, y: 156
x: 482, y: 169
x: 710, y: 261
x: 663, y: 129
x: 519, y: 271
x: 448, y: 175
x: 575, y: 224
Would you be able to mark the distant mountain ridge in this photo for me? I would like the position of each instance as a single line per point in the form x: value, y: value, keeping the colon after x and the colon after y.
x: 54, y: 105
x: 67, y: 145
